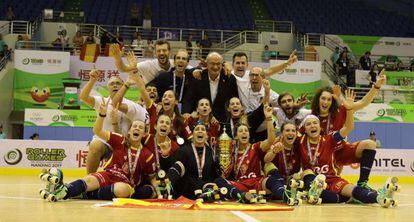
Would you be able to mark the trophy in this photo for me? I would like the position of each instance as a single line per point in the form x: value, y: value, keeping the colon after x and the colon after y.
x: 224, y: 153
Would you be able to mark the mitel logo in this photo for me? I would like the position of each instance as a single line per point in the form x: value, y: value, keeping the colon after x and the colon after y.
x: 13, y: 157
x: 389, y: 162
x: 412, y: 166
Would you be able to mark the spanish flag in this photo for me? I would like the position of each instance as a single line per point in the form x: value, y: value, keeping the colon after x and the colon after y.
x: 89, y: 52
x: 108, y: 51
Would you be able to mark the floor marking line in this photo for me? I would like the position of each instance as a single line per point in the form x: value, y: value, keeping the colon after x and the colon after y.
x: 20, y: 198
x: 244, y: 216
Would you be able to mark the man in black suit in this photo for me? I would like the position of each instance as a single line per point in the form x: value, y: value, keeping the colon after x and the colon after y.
x: 214, y: 85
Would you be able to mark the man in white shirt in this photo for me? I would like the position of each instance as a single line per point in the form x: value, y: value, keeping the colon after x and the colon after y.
x: 148, y: 69
x: 128, y: 111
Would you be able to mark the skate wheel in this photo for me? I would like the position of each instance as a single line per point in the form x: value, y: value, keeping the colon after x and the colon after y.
x: 158, y: 182
x: 253, y: 200
x: 301, y: 184
x: 324, y: 186
x: 292, y: 183
x: 160, y: 197
x: 167, y: 181
x: 394, y: 203
x: 200, y: 200
x: 299, y: 201
x: 170, y: 197
x: 43, y: 194
x: 262, y: 201
x: 311, y: 199
x: 386, y: 202
x: 252, y: 191
x: 54, y: 171
x: 51, y: 198
x: 198, y: 192
x: 54, y: 179
x: 319, y: 201
x: 161, y: 174
x: 44, y: 177
x: 397, y: 188
x: 291, y: 202
x: 262, y: 192
x: 216, y: 196
x: 224, y: 191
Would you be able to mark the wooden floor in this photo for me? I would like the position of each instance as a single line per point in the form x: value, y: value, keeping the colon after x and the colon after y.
x: 19, y: 201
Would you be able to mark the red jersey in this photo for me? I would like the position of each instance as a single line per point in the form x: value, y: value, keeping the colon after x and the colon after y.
x: 185, y: 132
x: 335, y: 122
x: 119, y: 166
x: 149, y: 142
x: 212, y: 131
x: 287, y: 162
x: 248, y: 164
x: 323, y: 162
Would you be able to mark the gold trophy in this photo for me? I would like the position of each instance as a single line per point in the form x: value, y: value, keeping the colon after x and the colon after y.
x: 225, y: 153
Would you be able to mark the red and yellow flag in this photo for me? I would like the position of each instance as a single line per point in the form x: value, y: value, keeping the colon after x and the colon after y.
x: 89, y: 52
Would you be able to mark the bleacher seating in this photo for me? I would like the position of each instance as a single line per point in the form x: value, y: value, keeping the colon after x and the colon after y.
x: 340, y: 17
x: 212, y: 14
x: 27, y: 10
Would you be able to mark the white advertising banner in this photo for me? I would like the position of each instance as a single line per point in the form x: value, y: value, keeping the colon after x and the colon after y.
x: 43, y: 154
x: 388, y: 162
x: 299, y: 72
x: 41, y: 62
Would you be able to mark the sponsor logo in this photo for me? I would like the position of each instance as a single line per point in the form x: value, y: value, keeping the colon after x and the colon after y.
x: 412, y: 166
x: 45, y: 154
x: 389, y: 162
x: 36, y: 61
x: 55, y: 118
x: 13, y: 157
x: 392, y: 112
x: 25, y: 61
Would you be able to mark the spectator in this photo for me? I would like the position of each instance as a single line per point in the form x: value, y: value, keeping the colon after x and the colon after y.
x: 205, y: 46
x: 137, y: 41
x: 77, y: 39
x: 63, y: 38
x: 373, y: 74
x: 365, y: 61
x: 335, y: 56
x: 400, y: 66
x: 149, y: 49
x: 189, y: 45
x: 390, y: 63
x: 146, y: 24
x: 118, y: 39
x: 372, y: 137
x: 19, y: 43
x: 105, y: 39
x: 266, y: 54
x: 35, y: 136
x: 343, y: 67
x: 134, y: 14
x: 2, y: 134
x: 10, y: 16
x: 196, y: 50
x: 90, y: 39
x: 2, y: 43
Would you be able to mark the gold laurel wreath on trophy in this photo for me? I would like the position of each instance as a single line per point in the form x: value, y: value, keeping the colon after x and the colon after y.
x: 225, y: 152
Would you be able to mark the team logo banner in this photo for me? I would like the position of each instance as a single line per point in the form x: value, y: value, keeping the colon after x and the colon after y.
x: 56, y: 117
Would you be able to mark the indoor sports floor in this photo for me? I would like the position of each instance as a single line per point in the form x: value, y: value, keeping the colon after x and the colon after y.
x: 19, y: 201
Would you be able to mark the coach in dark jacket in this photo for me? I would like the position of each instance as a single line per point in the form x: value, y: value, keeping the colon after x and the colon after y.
x: 214, y: 85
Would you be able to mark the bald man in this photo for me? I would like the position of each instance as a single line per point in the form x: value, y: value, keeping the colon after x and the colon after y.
x: 214, y: 85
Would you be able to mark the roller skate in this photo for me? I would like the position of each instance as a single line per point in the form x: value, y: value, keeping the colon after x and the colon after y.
x: 211, y: 193
x: 246, y: 197
x: 316, y: 188
x: 55, y: 189
x: 292, y: 191
x: 258, y: 197
x: 163, y: 186
x: 386, y: 194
